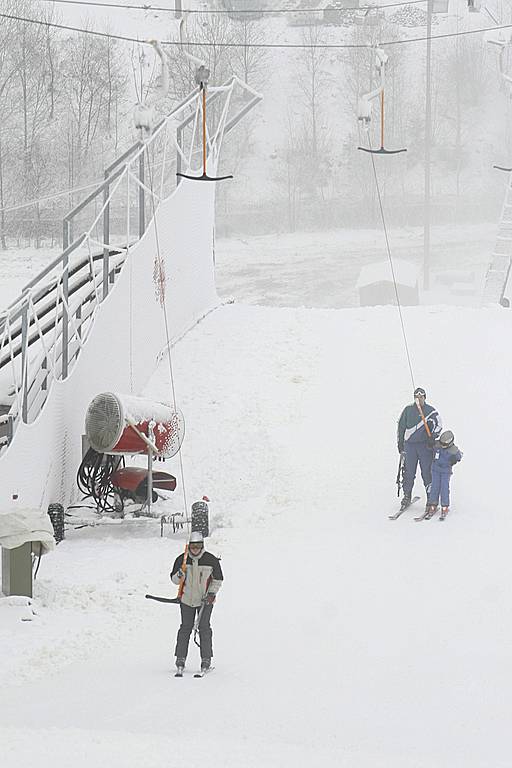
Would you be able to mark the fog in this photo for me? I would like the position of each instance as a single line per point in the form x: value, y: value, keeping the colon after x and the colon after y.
x: 295, y: 159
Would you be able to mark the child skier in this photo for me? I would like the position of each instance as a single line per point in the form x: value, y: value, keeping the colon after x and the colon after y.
x: 446, y: 454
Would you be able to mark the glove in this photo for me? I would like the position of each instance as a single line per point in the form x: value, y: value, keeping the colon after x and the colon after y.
x: 402, y: 454
x: 180, y: 574
x: 209, y: 598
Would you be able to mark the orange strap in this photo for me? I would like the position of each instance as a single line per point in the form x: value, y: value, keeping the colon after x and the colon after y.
x: 423, y: 419
x: 184, y: 569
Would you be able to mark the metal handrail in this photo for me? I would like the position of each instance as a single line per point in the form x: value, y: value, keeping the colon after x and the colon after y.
x: 28, y: 319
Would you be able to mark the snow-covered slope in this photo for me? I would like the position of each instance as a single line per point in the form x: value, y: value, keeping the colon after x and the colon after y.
x: 341, y: 638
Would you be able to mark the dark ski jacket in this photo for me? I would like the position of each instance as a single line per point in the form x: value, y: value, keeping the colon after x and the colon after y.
x: 445, y: 458
x: 203, y: 575
x: 411, y: 428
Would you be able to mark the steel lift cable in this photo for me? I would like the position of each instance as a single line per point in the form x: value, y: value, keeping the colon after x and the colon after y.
x: 388, y: 248
x: 220, y: 11
x: 257, y: 45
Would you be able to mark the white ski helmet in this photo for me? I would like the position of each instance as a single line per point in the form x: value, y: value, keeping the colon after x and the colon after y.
x: 447, y: 438
x: 196, y: 537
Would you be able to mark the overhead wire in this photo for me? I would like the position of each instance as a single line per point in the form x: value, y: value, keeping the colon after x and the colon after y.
x: 388, y: 248
x: 332, y: 46
x: 220, y: 11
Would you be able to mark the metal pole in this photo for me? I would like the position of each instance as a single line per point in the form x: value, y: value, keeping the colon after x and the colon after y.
x: 179, y: 134
x: 106, y: 237
x: 142, y: 217
x: 150, y: 479
x: 24, y: 363
x: 65, y: 320
x: 428, y: 139
x: 65, y: 234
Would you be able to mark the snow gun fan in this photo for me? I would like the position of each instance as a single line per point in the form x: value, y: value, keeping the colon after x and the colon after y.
x: 117, y: 425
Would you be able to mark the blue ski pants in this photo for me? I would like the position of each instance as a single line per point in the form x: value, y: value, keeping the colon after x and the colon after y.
x: 440, y: 485
x: 414, y: 453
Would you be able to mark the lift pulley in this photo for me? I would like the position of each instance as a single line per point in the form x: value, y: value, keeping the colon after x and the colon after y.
x: 202, y: 75
x: 365, y: 106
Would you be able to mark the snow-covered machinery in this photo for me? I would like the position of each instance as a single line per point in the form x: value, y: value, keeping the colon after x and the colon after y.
x: 117, y: 425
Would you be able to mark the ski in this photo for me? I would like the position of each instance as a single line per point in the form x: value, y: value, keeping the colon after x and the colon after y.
x: 401, y: 511
x: 431, y: 513
x: 203, y: 672
x: 426, y: 515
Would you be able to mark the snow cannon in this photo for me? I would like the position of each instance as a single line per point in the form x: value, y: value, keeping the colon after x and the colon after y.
x: 116, y: 425
x: 124, y: 424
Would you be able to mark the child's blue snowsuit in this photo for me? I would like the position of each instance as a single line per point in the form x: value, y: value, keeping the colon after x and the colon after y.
x: 444, y: 459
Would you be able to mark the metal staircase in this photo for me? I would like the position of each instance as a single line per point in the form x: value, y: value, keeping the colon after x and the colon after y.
x: 43, y: 331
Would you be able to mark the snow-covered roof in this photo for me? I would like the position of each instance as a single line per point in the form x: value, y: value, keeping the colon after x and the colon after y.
x: 406, y: 273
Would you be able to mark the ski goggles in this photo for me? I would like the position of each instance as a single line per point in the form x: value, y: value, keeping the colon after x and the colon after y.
x: 420, y: 392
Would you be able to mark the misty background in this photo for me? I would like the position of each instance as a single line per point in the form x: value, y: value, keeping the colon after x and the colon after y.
x: 301, y: 188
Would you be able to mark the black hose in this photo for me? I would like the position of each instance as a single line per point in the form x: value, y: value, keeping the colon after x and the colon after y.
x: 93, y: 479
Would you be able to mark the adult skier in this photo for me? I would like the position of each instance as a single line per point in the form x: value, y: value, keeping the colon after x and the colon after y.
x: 418, y: 427
x: 200, y: 577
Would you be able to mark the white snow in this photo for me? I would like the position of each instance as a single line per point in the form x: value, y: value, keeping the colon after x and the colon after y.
x: 341, y: 638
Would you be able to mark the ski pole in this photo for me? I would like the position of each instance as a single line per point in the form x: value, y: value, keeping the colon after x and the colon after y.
x: 399, y: 476
x: 198, y: 619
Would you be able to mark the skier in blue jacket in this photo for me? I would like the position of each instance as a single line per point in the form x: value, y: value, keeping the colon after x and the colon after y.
x: 446, y: 454
x: 415, y: 444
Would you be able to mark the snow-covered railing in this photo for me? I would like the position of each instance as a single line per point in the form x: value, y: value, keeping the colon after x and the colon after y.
x: 44, y: 330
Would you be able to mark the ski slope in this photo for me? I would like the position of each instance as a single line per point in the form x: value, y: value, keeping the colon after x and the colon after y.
x: 340, y: 638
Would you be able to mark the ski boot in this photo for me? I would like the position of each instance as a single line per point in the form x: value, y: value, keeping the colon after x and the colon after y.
x: 406, y: 502
x: 430, y: 509
x: 205, y: 664
x: 180, y: 666
x: 444, y: 512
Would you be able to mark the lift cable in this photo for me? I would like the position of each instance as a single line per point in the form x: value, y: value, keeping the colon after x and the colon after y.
x: 384, y: 226
x: 332, y: 46
x: 219, y: 11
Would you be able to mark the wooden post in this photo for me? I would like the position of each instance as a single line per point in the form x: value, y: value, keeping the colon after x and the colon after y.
x: 17, y: 570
